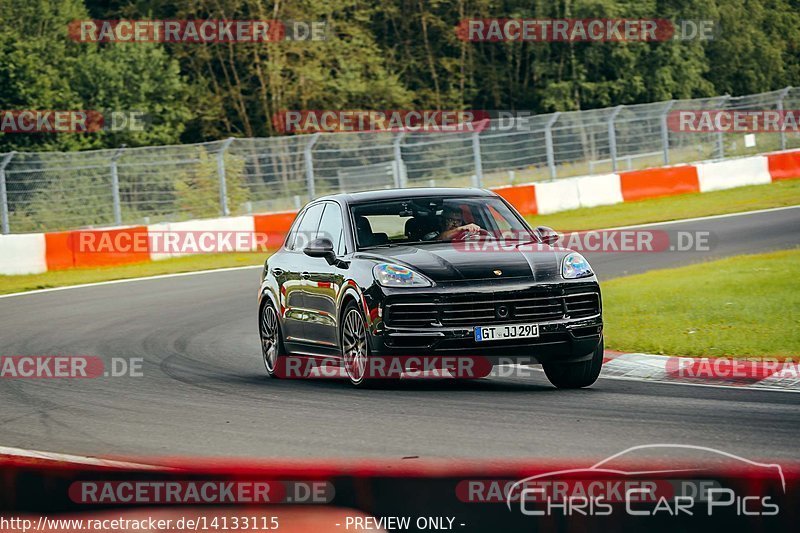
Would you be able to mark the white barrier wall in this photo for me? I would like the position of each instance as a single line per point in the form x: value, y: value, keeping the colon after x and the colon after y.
x: 733, y: 173
x: 554, y: 196
x: 604, y: 189
x: 27, y: 254
x: 243, y: 224
x: 22, y: 254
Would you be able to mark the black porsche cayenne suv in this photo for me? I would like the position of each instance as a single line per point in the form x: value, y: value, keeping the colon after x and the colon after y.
x: 431, y: 274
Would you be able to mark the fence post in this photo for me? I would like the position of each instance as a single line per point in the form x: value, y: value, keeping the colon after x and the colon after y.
x: 310, y: 165
x: 115, y: 186
x: 399, y: 175
x: 476, y: 155
x: 665, y: 131
x: 223, y: 187
x: 612, y: 137
x: 548, y: 144
x: 4, y: 193
x: 720, y: 138
x: 779, y: 106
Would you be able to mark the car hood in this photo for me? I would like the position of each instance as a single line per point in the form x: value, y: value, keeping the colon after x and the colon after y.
x: 456, y: 261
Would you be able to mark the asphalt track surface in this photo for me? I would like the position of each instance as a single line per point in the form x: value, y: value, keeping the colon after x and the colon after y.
x: 204, y: 391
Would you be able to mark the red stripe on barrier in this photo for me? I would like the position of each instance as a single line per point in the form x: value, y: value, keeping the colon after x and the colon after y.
x: 784, y: 166
x: 275, y: 226
x: 58, y: 252
x: 522, y: 197
x: 93, y: 248
x: 655, y: 182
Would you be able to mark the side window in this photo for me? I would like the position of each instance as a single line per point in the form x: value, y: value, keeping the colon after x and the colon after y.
x: 331, y: 226
x: 293, y: 232
x: 307, y: 229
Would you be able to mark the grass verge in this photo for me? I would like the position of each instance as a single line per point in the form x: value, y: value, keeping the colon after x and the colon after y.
x: 740, y: 306
x: 61, y: 278
x: 778, y: 194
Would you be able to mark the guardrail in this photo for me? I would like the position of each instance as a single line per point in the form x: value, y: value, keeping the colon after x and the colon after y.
x: 50, y: 191
x: 40, y: 252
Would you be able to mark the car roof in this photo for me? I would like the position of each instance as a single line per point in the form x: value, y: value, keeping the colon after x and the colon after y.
x: 400, y: 194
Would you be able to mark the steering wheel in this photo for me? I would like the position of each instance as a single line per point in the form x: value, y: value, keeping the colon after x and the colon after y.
x: 464, y: 235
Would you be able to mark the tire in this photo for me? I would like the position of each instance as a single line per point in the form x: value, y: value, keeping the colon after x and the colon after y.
x: 269, y: 330
x: 576, y: 375
x: 355, y: 345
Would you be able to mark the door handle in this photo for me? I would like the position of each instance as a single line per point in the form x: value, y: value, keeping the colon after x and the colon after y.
x: 277, y: 271
x: 305, y: 275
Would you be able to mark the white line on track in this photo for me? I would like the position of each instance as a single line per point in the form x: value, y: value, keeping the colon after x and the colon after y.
x: 709, y: 217
x: 74, y: 459
x: 129, y: 280
x: 165, y: 276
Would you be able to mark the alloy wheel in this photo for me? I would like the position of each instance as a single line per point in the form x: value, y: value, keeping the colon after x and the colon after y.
x: 269, y: 338
x: 354, y: 346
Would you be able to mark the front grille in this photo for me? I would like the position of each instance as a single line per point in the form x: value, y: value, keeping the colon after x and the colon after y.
x: 411, y: 315
x: 582, y: 305
x: 488, y: 309
x: 485, y: 311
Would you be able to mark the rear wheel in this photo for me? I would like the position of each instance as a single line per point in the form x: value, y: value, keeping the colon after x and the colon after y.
x: 576, y: 375
x: 271, y: 342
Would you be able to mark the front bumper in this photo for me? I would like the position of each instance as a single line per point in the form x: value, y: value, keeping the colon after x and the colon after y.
x: 564, y: 339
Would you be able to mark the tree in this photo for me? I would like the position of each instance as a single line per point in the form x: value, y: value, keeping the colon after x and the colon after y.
x: 42, y: 68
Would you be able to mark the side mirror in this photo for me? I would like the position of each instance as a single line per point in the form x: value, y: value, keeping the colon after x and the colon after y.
x: 321, y: 248
x: 547, y: 235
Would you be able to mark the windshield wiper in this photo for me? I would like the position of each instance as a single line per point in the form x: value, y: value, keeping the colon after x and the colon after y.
x: 384, y: 245
x: 395, y: 244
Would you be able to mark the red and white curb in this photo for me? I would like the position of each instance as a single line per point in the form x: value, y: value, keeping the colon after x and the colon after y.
x: 762, y: 374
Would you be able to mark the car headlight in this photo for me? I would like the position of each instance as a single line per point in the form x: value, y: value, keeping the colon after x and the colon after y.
x: 391, y: 275
x: 574, y: 266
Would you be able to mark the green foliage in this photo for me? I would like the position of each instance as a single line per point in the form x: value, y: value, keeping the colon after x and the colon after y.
x: 197, y: 189
x: 42, y: 68
x: 65, y: 204
x: 379, y: 55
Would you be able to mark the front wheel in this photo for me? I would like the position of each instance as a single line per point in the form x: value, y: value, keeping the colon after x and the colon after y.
x: 355, y: 346
x: 576, y: 375
x: 271, y: 342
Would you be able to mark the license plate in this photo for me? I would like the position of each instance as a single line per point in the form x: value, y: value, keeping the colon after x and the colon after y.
x: 510, y: 331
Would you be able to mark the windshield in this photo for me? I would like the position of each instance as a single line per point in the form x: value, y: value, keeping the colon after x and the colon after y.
x: 435, y: 219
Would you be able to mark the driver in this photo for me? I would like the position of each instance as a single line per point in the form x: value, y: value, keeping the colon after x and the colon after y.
x: 451, y: 224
